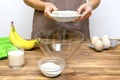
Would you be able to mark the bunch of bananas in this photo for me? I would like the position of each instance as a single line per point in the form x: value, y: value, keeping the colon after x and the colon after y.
x: 20, y: 42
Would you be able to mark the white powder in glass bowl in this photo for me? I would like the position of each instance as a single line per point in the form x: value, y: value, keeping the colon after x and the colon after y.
x: 51, y: 66
x: 50, y: 69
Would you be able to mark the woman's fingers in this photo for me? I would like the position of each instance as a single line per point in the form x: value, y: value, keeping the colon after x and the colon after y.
x: 85, y: 10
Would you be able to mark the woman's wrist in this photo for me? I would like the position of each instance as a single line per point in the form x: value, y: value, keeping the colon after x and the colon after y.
x: 94, y: 3
x: 43, y: 5
x: 91, y: 5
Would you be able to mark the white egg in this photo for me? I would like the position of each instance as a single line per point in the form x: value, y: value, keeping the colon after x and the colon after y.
x: 106, y: 42
x: 94, y: 40
x: 105, y: 36
x: 99, y: 45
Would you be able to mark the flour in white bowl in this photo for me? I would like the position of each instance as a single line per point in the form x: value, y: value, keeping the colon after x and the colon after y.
x: 66, y: 13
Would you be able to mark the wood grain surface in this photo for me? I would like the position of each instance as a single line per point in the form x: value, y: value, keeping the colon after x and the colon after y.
x: 86, y: 64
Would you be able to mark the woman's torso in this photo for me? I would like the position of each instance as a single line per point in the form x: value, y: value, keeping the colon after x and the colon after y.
x: 41, y: 22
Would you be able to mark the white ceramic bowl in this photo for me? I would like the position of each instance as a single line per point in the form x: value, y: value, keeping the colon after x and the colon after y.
x: 65, y: 16
x: 51, y: 66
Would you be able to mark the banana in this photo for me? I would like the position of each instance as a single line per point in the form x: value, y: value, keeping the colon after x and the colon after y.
x: 13, y: 40
x: 20, y: 42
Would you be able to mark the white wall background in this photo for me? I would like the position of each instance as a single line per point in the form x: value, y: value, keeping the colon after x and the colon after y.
x: 17, y: 11
x: 105, y: 19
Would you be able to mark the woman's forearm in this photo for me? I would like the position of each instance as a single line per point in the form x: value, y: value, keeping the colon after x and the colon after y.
x: 94, y: 3
x: 37, y: 4
x: 40, y: 5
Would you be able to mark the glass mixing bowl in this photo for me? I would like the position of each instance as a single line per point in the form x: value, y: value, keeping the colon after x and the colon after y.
x: 59, y: 43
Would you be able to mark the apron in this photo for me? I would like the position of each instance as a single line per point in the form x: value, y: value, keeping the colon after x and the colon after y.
x: 42, y: 23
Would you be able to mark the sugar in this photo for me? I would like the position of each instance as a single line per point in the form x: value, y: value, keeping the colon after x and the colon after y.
x: 50, y: 69
x: 50, y: 65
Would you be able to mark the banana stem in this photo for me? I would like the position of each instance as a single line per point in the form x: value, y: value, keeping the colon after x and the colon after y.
x: 12, y: 25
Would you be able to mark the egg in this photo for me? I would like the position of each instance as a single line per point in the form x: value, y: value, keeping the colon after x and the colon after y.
x: 94, y: 40
x: 106, y: 43
x: 105, y: 36
x: 98, y: 45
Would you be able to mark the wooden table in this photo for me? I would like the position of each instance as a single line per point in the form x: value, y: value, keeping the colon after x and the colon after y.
x: 85, y: 65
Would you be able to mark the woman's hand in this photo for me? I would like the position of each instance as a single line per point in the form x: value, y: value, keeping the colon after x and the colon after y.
x: 49, y: 7
x: 85, y: 10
